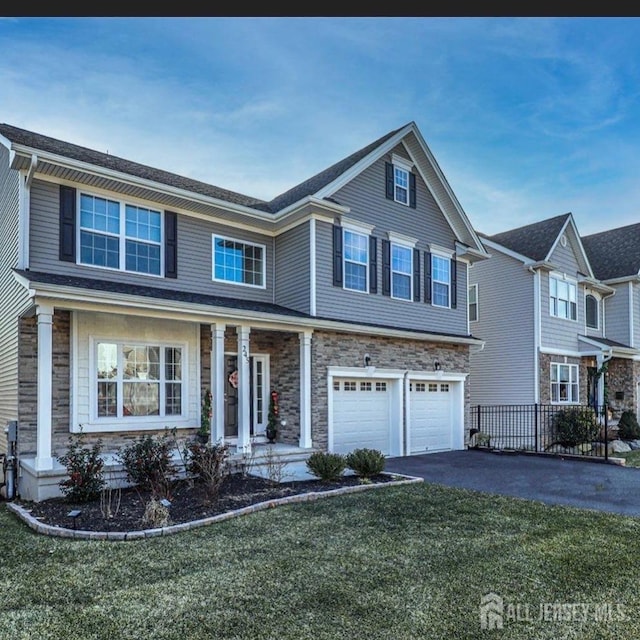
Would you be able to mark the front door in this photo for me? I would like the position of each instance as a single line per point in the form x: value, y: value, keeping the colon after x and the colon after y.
x: 259, y: 394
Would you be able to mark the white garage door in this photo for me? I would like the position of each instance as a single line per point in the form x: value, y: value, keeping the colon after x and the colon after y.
x: 431, y: 417
x: 361, y: 415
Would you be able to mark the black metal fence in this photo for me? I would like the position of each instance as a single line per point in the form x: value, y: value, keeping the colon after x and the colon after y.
x: 542, y: 428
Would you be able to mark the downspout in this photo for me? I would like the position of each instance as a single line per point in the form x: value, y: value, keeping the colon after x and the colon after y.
x: 536, y: 334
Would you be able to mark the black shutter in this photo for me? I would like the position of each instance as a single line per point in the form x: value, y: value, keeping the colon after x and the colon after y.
x: 412, y: 190
x: 427, y: 277
x: 390, y: 182
x: 170, y: 244
x: 416, y: 275
x: 454, y: 282
x: 386, y: 268
x: 373, y: 264
x: 337, y: 256
x: 67, y: 249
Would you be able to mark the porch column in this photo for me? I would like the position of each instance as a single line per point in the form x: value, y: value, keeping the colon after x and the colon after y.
x: 244, y: 390
x: 44, y: 459
x: 600, y: 360
x: 305, y: 389
x: 217, y: 381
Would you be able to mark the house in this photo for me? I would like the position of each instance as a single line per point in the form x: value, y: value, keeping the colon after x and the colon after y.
x: 549, y: 319
x: 615, y: 259
x: 130, y: 292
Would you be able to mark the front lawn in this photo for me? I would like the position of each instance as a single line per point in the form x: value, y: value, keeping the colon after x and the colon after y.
x: 397, y: 563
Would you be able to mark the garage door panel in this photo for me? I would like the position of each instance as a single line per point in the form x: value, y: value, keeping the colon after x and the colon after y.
x: 361, y: 415
x: 431, y: 417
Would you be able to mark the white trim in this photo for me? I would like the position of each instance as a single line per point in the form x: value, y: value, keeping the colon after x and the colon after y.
x: 573, y: 367
x: 631, y: 327
x: 598, y: 299
x: 564, y: 352
x: 476, y: 288
x: 366, y: 265
x: 403, y: 163
x: 217, y: 380
x: 442, y: 256
x: 75, y: 375
x: 305, y: 338
x: 242, y: 242
x: 312, y: 267
x: 259, y: 428
x: 244, y: 389
x: 44, y: 459
x: 401, y: 239
x: 393, y: 272
x: 441, y: 251
x: 537, y: 332
x: 355, y: 225
x: 563, y: 277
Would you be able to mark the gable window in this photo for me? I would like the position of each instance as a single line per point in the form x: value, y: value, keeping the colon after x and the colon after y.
x: 119, y: 236
x: 473, y: 302
x: 356, y: 260
x: 441, y: 280
x: 591, y: 311
x: 136, y: 380
x: 564, y: 383
x: 238, y: 262
x: 401, y: 272
x: 400, y: 181
x: 562, y: 298
x: 400, y: 184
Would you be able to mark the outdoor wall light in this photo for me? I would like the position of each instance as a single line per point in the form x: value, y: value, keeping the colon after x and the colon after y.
x: 367, y: 360
x: 436, y: 365
x: 283, y: 423
x: 74, y: 514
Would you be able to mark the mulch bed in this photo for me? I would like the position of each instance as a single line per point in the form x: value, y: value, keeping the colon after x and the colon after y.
x: 189, y: 502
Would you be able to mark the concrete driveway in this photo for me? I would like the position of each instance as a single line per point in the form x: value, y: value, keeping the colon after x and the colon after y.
x: 588, y: 485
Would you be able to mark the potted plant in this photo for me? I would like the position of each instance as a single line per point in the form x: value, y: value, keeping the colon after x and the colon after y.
x: 272, y: 421
x: 204, y: 431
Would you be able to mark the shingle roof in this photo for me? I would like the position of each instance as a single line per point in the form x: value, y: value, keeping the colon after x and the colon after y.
x: 83, y: 154
x: 614, y: 253
x: 157, y: 292
x: 533, y: 240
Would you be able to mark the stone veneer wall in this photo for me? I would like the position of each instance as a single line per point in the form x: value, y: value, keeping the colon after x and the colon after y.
x: 347, y: 350
x: 622, y: 377
x: 545, y: 360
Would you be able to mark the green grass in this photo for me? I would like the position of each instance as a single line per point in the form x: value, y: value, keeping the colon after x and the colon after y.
x: 398, y: 563
x: 632, y: 458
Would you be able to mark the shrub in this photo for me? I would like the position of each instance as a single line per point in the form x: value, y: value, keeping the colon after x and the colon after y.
x: 326, y: 466
x: 148, y: 464
x: 628, y: 426
x: 208, y: 462
x: 84, y: 469
x: 575, y: 425
x: 366, y: 462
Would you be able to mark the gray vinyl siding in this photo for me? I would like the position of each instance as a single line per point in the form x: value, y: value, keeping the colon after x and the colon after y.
x: 13, y: 296
x: 365, y: 196
x: 561, y: 333
x: 503, y: 372
x: 194, y: 252
x: 635, y: 292
x: 617, y: 314
x: 293, y: 279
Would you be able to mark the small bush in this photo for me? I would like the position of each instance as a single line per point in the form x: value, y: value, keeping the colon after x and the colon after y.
x: 208, y: 462
x: 366, y: 462
x: 628, y: 426
x: 148, y: 464
x: 84, y: 469
x: 326, y: 466
x: 575, y: 425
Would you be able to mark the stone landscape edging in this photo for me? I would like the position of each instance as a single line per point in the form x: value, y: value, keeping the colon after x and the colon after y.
x: 120, y: 536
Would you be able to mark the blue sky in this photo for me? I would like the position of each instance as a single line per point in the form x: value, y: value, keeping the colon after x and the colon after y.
x: 527, y: 117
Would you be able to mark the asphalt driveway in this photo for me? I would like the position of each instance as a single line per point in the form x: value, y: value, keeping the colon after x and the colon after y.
x: 588, y: 485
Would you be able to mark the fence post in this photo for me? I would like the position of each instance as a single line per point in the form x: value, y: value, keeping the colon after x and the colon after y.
x: 606, y: 433
x: 535, y: 423
x: 478, y: 418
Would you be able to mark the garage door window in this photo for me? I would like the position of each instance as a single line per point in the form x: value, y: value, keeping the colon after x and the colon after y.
x: 433, y: 387
x: 381, y: 386
x: 444, y: 388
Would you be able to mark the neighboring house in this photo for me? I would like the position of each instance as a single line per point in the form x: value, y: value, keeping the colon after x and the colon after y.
x: 549, y: 322
x: 615, y: 258
x: 128, y: 292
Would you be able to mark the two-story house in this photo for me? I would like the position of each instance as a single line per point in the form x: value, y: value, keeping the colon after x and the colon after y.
x: 548, y: 320
x: 129, y: 292
x: 615, y: 258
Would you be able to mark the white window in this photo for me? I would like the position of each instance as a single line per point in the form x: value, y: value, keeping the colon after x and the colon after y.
x: 440, y: 280
x: 400, y: 184
x: 356, y: 260
x: 401, y: 272
x: 117, y: 235
x: 562, y: 298
x: 473, y: 302
x: 564, y: 383
x: 238, y: 262
x: 136, y: 380
x: 591, y: 311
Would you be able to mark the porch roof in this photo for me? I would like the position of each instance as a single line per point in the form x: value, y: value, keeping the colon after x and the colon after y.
x: 609, y: 346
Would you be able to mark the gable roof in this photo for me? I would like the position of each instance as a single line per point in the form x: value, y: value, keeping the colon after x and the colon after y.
x: 536, y: 240
x: 320, y: 186
x: 614, y: 253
